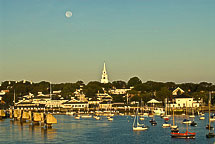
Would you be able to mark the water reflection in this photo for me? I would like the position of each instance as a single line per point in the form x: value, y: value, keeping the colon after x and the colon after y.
x: 70, y: 130
x: 25, y: 131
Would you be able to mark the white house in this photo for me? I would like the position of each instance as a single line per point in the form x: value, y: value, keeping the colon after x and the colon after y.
x: 182, y: 100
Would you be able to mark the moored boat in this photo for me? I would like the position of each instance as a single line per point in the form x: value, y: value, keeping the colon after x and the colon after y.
x: 86, y: 116
x: 202, y: 118
x: 137, y: 126
x: 193, y: 123
x: 209, y: 135
x: 166, y: 124
x: 183, y: 135
x: 186, y: 121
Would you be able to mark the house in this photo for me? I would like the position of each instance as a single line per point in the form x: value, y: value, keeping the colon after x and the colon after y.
x: 104, y: 97
x: 177, y: 90
x: 180, y: 100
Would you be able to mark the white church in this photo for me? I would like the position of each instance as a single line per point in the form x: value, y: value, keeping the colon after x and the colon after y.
x: 104, y: 75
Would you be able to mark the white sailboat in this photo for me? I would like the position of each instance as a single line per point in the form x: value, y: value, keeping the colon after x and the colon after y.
x: 137, y: 126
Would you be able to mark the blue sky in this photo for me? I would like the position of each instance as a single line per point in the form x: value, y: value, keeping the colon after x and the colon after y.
x: 168, y: 40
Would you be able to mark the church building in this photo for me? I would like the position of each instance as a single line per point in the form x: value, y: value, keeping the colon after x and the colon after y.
x: 104, y: 75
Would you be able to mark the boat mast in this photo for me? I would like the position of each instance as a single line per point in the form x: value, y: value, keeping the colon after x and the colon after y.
x: 14, y: 97
x: 186, y: 116
x: 173, y: 115
x: 165, y: 106
x: 50, y: 91
x: 209, y: 113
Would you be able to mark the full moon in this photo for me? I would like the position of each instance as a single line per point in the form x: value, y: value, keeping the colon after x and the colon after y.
x: 68, y: 14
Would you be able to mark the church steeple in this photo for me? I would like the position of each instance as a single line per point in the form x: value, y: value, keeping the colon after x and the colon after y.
x: 104, y: 75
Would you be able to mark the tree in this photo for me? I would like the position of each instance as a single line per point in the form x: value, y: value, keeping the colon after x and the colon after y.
x: 119, y: 84
x: 163, y: 93
x: 134, y: 81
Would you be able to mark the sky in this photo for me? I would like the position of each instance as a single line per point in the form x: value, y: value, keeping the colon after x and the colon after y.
x: 159, y: 40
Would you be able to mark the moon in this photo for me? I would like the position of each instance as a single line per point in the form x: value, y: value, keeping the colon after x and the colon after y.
x: 68, y: 14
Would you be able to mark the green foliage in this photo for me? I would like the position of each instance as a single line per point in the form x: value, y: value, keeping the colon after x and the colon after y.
x: 118, y: 98
x: 163, y: 93
x: 140, y: 91
x: 92, y: 88
x: 119, y: 84
x: 134, y: 81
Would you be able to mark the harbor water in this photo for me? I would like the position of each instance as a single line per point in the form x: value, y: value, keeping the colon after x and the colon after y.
x: 89, y: 130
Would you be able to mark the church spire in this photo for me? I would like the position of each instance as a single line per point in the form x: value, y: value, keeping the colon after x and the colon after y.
x: 104, y: 75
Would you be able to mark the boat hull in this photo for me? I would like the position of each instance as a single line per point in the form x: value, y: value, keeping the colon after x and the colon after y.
x: 139, y: 128
x: 186, y: 135
x: 166, y: 125
x: 210, y: 135
x: 183, y: 136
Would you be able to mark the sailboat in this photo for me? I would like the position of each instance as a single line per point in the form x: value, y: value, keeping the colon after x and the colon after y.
x: 137, y: 126
x: 141, y: 109
x: 192, y: 116
x: 186, y: 121
x: 166, y: 117
x: 209, y: 135
x: 193, y: 123
x: 166, y: 124
x: 174, y: 128
x: 187, y: 134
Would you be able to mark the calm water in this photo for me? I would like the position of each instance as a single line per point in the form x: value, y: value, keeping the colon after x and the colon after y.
x: 70, y: 130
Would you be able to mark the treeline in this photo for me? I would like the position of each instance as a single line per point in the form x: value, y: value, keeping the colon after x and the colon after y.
x: 144, y: 91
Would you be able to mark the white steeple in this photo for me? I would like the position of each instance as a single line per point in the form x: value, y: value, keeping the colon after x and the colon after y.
x: 104, y: 75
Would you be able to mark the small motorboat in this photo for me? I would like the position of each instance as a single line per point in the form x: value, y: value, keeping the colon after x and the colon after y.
x: 192, y: 116
x: 142, y: 118
x: 174, y: 130
x: 186, y: 121
x: 201, y: 118
x: 166, y: 124
x: 193, y: 124
x: 153, y: 122
x: 86, y: 116
x: 97, y: 117
x: 166, y: 119
x: 212, y: 118
x: 77, y: 117
x: 110, y: 119
x: 207, y: 127
x: 210, y: 135
x: 183, y: 135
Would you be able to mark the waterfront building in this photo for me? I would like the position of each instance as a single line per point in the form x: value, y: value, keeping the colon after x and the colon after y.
x: 104, y: 78
x: 105, y: 105
x: 104, y: 97
x: 80, y: 95
x: 180, y: 99
x: 119, y: 91
x: 75, y: 105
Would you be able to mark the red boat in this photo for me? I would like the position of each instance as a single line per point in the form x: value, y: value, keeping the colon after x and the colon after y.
x: 166, y: 119
x: 183, y: 135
